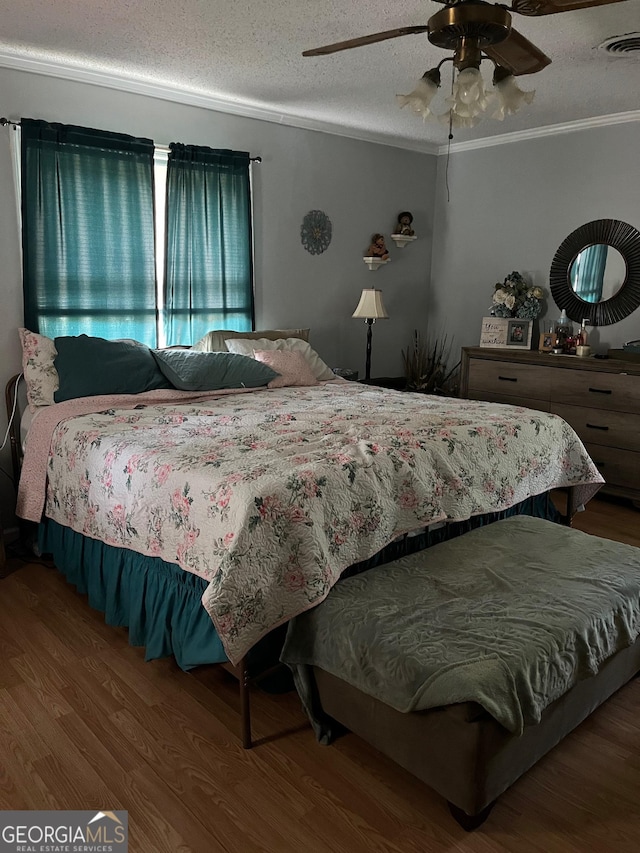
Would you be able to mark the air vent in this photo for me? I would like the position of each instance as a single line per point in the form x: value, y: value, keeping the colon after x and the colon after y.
x: 625, y: 45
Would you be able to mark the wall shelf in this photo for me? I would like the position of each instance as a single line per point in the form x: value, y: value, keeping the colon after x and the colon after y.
x: 374, y: 263
x: 401, y: 240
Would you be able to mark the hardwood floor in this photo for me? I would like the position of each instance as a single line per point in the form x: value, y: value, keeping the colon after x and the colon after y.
x: 86, y: 723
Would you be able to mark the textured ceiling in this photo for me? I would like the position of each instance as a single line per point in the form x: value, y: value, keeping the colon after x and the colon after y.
x: 249, y: 55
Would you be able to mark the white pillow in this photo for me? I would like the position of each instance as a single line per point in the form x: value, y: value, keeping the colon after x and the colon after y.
x: 293, y: 367
x: 41, y: 376
x: 244, y: 346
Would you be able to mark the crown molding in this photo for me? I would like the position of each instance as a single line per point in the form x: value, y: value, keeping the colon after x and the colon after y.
x: 169, y: 92
x: 540, y: 132
x: 186, y: 97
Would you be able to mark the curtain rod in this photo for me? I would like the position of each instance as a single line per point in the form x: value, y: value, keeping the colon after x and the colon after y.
x: 7, y: 121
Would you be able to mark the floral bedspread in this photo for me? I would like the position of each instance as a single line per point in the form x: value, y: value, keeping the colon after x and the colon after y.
x: 271, y: 495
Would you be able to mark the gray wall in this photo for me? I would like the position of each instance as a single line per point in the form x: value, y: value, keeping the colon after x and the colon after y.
x: 361, y: 186
x: 510, y: 208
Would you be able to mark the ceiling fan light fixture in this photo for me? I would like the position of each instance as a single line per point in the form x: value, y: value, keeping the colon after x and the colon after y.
x: 469, y: 100
x: 475, y: 31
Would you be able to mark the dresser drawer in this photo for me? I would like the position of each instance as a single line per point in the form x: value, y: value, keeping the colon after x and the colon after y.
x: 618, y: 467
x: 617, y: 391
x: 510, y: 379
x: 487, y: 396
x: 602, y: 426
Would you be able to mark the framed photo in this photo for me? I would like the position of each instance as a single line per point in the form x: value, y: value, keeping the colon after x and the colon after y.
x: 519, y: 333
x: 547, y: 341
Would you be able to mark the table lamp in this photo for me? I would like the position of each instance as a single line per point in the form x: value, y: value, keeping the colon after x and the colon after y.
x: 370, y: 308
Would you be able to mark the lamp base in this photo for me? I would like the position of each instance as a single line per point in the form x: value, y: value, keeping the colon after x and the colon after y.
x: 367, y: 371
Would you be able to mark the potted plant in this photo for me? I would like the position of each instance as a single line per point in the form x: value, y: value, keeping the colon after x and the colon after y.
x: 426, y: 366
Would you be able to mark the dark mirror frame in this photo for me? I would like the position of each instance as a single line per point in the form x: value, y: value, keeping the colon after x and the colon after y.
x: 619, y: 235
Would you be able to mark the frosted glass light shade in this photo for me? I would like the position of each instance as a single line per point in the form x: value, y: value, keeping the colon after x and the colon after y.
x: 419, y: 100
x: 510, y: 96
x: 468, y: 99
x: 371, y: 306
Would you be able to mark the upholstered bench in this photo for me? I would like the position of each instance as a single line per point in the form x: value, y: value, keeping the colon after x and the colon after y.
x: 467, y: 662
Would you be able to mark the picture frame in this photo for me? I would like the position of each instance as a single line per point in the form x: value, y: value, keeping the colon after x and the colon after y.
x: 547, y: 341
x: 519, y: 333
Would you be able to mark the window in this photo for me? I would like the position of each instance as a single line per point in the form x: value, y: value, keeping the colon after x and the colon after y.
x: 93, y: 262
x: 208, y: 240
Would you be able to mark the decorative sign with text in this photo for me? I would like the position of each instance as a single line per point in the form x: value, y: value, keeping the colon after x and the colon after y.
x: 493, y: 332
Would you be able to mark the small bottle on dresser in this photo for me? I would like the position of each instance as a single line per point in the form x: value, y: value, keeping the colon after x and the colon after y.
x: 564, y: 331
x: 582, y: 347
x: 583, y: 335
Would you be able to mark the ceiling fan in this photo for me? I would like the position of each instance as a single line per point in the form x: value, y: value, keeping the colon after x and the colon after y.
x: 472, y: 28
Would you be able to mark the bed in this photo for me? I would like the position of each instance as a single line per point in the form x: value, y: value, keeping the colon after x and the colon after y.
x: 205, y: 520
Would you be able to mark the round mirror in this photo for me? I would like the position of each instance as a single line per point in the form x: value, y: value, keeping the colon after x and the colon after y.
x: 595, y: 273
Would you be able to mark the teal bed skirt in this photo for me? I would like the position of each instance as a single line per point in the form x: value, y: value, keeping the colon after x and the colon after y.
x: 161, y: 605
x: 158, y: 602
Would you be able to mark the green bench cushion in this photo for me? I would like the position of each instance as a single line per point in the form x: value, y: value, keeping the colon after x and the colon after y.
x: 509, y: 616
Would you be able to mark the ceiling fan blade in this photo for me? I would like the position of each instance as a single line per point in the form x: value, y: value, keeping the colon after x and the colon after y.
x: 551, y: 7
x: 372, y: 39
x: 517, y: 54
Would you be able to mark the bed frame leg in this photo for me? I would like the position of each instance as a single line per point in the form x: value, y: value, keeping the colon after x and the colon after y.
x: 470, y: 822
x: 568, y: 519
x: 245, y: 703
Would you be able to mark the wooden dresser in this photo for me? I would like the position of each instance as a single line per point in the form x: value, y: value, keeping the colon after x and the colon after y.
x: 600, y: 398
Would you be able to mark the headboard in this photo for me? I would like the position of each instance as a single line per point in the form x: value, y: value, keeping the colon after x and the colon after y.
x: 15, y: 400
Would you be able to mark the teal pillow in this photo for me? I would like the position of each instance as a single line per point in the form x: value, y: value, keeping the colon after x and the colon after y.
x: 188, y: 370
x: 88, y: 366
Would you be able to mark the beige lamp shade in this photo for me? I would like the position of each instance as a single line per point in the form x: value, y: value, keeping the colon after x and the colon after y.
x: 371, y: 306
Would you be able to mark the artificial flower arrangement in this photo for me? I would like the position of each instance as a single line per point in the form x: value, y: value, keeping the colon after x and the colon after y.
x: 515, y: 298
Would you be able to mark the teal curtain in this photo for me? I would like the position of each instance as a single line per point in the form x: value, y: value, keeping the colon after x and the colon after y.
x: 88, y: 232
x: 208, y: 265
x: 587, y: 272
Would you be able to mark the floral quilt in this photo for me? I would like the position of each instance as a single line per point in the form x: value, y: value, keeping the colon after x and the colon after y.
x: 270, y: 495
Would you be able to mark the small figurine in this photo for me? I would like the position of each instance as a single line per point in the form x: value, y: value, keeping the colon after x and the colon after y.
x: 377, y: 249
x: 404, y: 224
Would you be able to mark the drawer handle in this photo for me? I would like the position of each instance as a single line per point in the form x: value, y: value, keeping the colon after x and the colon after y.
x: 595, y: 426
x: 507, y: 378
x: 601, y: 390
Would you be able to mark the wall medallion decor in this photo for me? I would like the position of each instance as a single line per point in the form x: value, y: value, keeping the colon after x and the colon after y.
x: 315, y: 232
